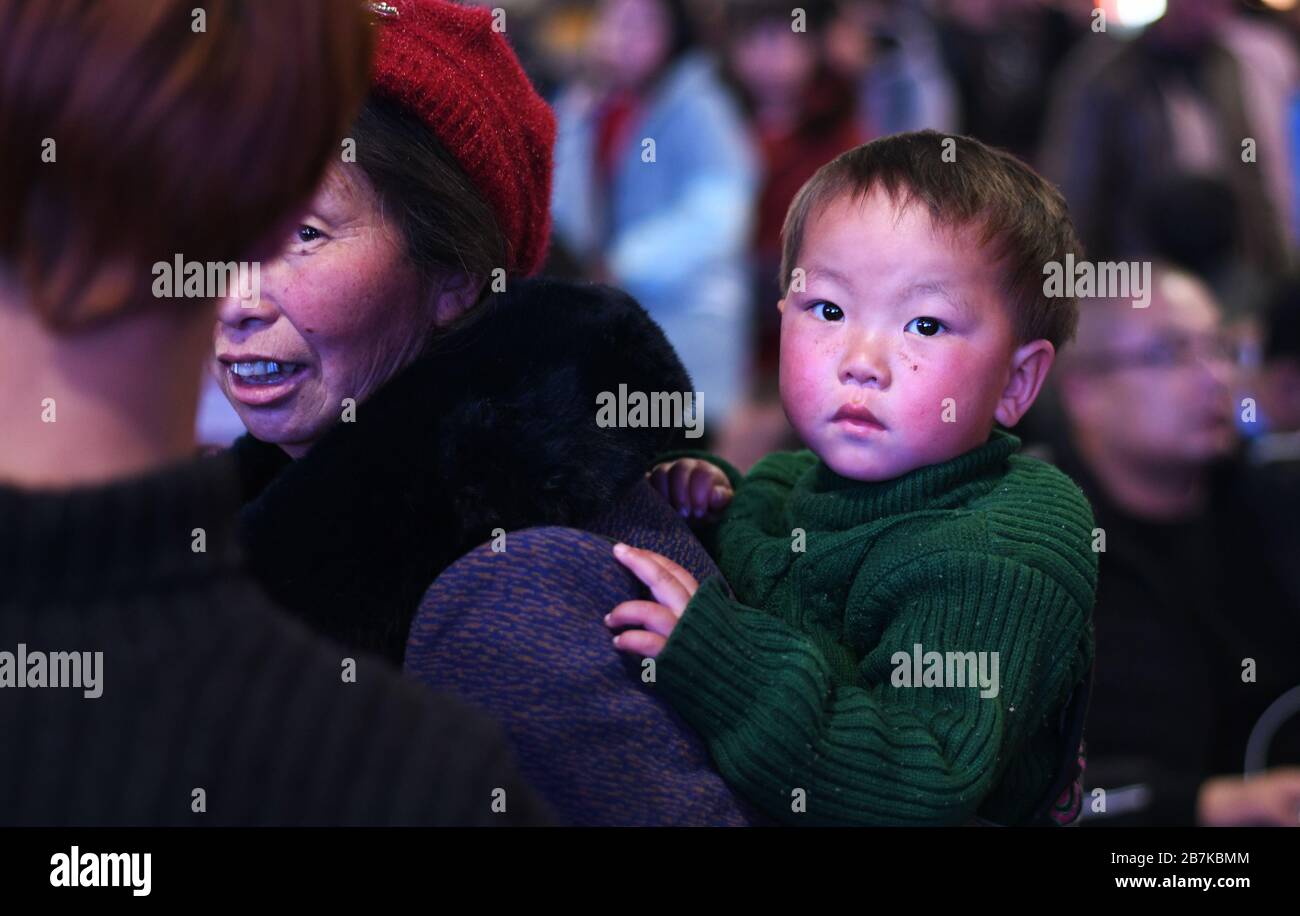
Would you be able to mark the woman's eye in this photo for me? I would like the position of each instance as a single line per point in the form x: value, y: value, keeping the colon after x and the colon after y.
x: 926, y: 327
x: 307, y: 234
x: 828, y: 311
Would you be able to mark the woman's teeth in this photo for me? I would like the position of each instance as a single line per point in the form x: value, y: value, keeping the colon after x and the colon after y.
x: 263, y: 371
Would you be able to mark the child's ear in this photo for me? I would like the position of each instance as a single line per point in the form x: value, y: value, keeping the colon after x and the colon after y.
x: 1029, y: 367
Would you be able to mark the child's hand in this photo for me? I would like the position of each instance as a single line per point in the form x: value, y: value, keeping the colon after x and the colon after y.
x: 692, y: 486
x: 652, y: 622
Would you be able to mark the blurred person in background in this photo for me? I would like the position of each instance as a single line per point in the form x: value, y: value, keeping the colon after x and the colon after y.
x: 1279, y: 378
x: 1190, y: 584
x: 1274, y: 447
x: 803, y: 113
x: 1002, y: 55
x: 1193, y: 221
x: 1181, y: 97
x: 891, y: 49
x: 655, y: 182
x: 184, y: 696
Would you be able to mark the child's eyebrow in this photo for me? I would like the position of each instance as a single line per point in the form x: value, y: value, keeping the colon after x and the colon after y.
x: 937, y: 288
x: 831, y: 274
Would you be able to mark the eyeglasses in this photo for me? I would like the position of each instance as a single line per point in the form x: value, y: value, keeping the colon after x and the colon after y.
x: 1166, y: 353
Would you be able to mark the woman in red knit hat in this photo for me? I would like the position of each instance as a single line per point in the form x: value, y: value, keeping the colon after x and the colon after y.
x: 409, y: 393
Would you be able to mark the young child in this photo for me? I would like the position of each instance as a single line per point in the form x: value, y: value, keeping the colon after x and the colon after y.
x: 912, y: 610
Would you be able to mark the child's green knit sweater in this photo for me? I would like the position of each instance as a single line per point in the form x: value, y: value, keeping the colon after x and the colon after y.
x: 793, y: 686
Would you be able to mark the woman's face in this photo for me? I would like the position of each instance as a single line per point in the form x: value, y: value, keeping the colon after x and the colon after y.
x: 338, y: 312
x: 773, y: 61
x: 630, y: 41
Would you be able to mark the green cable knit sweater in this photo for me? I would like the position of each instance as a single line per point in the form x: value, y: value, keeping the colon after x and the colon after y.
x: 794, y: 686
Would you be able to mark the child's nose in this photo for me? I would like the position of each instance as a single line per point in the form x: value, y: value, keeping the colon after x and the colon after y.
x: 864, y: 362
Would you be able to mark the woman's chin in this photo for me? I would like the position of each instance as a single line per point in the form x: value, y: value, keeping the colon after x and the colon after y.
x: 271, y: 430
x: 291, y: 433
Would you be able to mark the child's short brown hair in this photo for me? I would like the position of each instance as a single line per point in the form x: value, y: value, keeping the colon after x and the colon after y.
x: 132, y: 131
x: 962, y: 183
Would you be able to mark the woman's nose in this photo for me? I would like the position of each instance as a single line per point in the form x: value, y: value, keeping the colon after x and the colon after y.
x: 864, y: 363
x: 248, y: 303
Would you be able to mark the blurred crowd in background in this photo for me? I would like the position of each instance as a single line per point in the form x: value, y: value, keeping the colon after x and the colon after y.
x: 687, y: 126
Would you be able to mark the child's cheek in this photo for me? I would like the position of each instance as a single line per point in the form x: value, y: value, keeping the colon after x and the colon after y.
x: 919, y: 391
x: 931, y: 405
x: 807, y: 372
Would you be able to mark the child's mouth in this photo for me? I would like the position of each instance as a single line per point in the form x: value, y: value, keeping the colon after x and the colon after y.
x: 857, y: 419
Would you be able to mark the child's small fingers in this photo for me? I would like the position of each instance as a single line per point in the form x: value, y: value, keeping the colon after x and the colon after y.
x: 719, y: 496
x: 701, y: 484
x: 645, y: 615
x: 679, y: 482
x: 663, y: 581
x: 683, y: 578
x: 640, y: 642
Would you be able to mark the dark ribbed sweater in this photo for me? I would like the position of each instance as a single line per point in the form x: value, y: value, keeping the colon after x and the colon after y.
x: 793, y: 685
x: 204, y: 685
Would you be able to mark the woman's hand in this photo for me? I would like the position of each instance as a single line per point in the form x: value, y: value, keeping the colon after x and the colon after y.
x: 692, y: 486
x: 650, y: 623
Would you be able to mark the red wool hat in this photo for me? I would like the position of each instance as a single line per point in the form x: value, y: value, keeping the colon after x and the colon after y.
x: 447, y: 66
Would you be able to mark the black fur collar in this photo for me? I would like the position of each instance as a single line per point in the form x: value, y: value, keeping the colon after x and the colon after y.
x: 495, y: 429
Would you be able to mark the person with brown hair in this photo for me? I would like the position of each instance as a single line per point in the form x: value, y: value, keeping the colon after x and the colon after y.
x: 144, y: 678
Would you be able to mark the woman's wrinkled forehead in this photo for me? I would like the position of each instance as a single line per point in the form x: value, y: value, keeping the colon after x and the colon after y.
x: 345, y: 186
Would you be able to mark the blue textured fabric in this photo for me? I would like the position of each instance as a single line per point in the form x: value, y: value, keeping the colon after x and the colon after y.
x: 520, y: 633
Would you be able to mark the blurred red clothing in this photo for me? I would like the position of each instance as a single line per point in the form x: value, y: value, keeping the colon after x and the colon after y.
x: 829, y: 127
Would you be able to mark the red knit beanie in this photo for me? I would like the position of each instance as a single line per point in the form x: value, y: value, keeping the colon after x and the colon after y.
x: 447, y: 66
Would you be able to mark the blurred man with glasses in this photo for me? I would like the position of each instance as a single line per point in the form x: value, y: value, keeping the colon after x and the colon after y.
x: 1196, y: 632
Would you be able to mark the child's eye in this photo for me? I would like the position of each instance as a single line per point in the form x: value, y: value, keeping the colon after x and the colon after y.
x: 827, y: 311
x: 926, y: 327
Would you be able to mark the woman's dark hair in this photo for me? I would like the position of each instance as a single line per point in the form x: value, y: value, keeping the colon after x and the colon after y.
x: 682, y: 30
x: 832, y: 99
x: 445, y: 221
